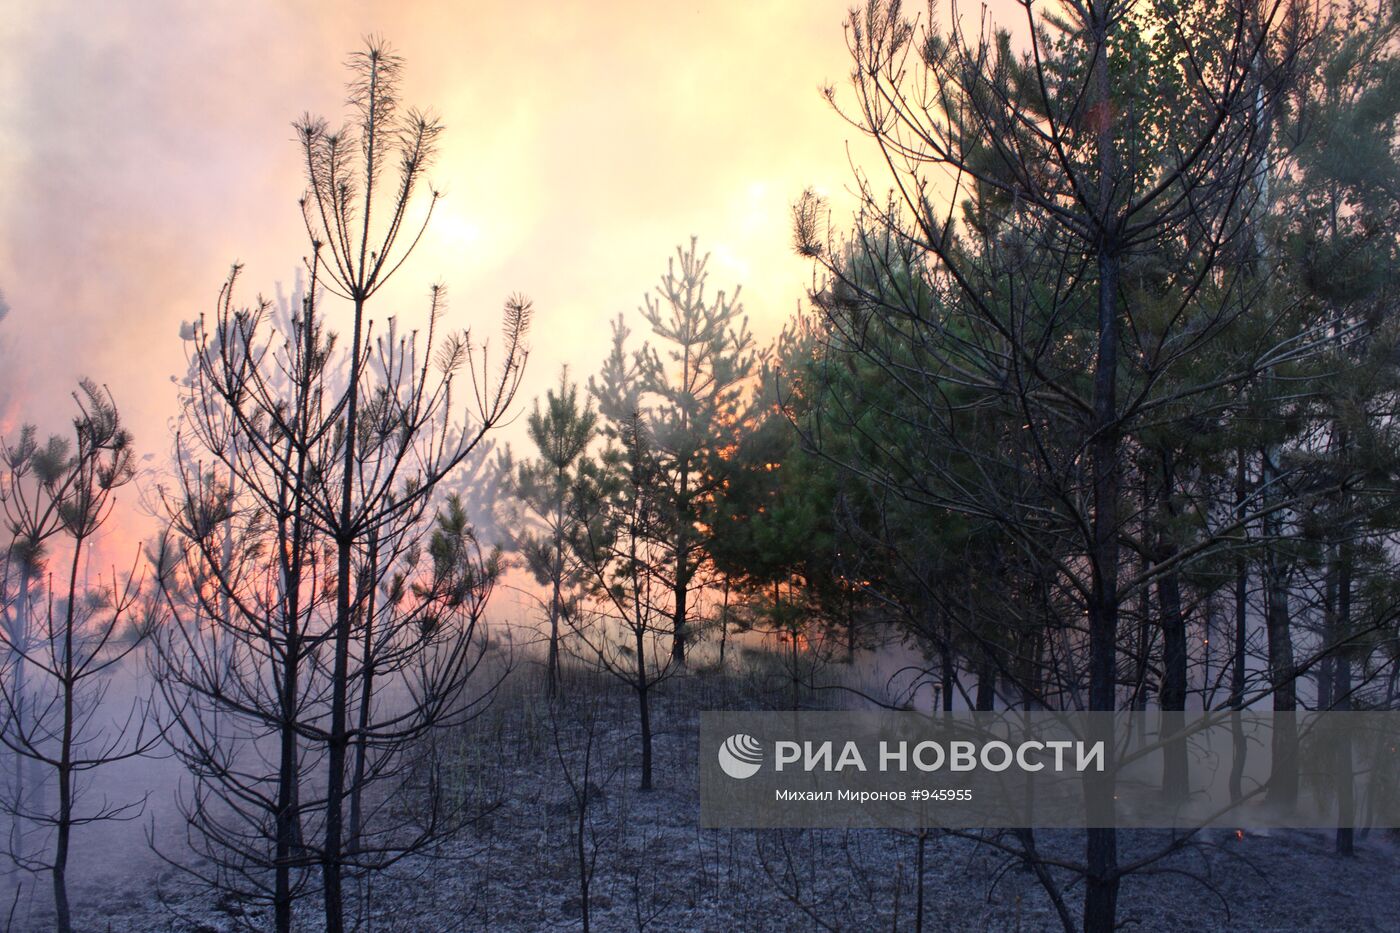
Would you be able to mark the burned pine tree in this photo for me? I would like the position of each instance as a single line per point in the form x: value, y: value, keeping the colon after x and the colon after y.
x: 308, y: 666
x: 67, y: 636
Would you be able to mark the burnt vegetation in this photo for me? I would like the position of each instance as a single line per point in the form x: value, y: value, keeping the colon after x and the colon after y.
x: 1088, y: 408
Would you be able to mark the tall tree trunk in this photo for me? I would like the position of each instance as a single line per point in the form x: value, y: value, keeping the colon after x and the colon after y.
x: 644, y: 708
x: 1144, y: 641
x: 643, y: 682
x: 945, y: 648
x: 357, y: 784
x: 1342, y: 687
x: 556, y: 597
x: 1175, y: 767
x: 289, y: 842
x: 287, y: 772
x: 1101, y: 883
x: 581, y: 837
x: 1237, y: 659
x: 922, y: 837
x: 724, y: 623
x: 987, y: 680
x: 338, y: 740
x: 64, y: 825
x: 1283, y: 780
x: 288, y: 769
x: 679, y: 620
x: 1323, y: 671
x: 19, y: 637
x: 850, y: 634
x: 63, y: 919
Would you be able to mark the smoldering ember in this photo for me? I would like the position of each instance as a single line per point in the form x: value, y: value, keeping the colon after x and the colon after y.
x: 424, y: 424
x: 960, y: 755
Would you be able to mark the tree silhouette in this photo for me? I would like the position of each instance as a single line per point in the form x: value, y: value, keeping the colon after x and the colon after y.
x: 61, y: 650
x: 344, y: 644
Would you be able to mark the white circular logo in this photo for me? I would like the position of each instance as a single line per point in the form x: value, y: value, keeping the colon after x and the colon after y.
x: 741, y: 756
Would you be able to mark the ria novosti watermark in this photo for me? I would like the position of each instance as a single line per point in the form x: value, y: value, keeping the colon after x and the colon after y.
x: 1046, y: 769
x: 741, y: 756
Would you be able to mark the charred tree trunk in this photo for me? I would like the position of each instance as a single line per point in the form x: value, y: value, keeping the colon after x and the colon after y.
x: 1341, y: 691
x: 1237, y: 659
x: 724, y: 622
x: 357, y: 783
x: 63, y: 827
x: 1101, y: 848
x: 949, y: 671
x: 556, y: 600
x: 1283, y: 780
x: 679, y: 620
x: 644, y: 708
x: 1175, y: 768
x: 1101, y: 889
x: 339, y: 739
x: 19, y: 636
x: 987, y: 680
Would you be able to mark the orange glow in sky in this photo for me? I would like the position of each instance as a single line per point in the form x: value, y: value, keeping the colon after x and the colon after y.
x: 148, y: 145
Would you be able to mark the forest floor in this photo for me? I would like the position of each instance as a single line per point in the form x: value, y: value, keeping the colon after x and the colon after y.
x: 516, y: 866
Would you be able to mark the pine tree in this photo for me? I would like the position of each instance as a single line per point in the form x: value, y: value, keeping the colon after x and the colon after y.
x: 692, y: 385
x: 71, y: 643
x: 324, y: 624
x: 543, y: 514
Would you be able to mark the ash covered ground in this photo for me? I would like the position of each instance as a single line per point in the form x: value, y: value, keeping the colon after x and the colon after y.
x: 516, y: 865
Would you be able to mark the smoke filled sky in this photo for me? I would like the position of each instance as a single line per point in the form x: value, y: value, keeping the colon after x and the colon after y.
x: 148, y: 145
